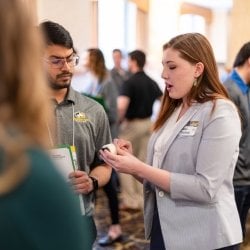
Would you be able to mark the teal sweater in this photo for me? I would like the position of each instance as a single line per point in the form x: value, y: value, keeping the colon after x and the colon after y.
x: 42, y: 212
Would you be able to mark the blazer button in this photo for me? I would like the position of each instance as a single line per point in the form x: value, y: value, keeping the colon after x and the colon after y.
x: 161, y: 193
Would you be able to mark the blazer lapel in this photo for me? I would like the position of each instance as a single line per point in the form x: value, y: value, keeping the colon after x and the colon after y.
x: 180, y: 125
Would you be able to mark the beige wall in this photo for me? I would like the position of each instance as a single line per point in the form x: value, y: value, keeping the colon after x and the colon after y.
x: 239, y: 31
x: 75, y: 16
x: 218, y: 31
x: 163, y: 24
x: 226, y: 36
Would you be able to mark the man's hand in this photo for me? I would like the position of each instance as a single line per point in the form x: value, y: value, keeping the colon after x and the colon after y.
x: 81, y: 182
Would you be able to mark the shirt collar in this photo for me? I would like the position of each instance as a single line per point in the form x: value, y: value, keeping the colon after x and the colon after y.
x: 239, y: 81
x: 69, y: 98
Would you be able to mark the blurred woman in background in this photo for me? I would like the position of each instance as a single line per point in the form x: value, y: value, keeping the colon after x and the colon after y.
x: 97, y: 83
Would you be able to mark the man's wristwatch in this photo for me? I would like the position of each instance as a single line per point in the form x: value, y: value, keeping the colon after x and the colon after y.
x: 95, y: 183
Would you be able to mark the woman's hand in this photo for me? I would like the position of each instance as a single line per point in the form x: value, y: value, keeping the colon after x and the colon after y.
x: 124, y: 161
x: 123, y: 144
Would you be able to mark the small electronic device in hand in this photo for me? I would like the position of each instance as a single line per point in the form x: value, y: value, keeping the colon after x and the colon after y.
x: 110, y: 147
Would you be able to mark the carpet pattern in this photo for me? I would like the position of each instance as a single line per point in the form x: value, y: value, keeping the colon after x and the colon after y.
x: 131, y: 223
x: 132, y: 227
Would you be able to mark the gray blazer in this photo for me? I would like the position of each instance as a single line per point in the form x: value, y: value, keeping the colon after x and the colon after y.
x: 200, y: 210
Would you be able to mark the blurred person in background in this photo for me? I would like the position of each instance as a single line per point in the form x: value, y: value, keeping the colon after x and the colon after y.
x: 237, y: 85
x: 118, y: 73
x: 38, y: 210
x: 135, y: 107
x: 99, y: 85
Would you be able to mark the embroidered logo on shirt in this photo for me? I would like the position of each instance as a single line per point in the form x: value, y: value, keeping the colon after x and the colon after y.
x: 80, y: 117
x: 189, y: 129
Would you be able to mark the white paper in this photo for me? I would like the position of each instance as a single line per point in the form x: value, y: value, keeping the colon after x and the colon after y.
x: 63, y: 161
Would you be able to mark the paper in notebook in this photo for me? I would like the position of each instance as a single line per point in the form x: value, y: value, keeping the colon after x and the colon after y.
x: 63, y: 160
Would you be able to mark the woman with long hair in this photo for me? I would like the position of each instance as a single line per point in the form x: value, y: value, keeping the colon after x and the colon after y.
x: 188, y: 188
x: 38, y: 210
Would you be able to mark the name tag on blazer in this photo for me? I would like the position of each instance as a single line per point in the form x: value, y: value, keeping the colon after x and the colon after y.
x: 189, y: 129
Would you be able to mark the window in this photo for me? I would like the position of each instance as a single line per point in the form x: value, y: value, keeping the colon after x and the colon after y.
x: 192, y: 23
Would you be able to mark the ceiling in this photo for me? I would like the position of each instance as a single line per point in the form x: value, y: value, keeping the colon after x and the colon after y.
x: 213, y: 4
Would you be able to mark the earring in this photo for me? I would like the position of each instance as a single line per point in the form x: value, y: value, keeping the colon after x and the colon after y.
x: 195, y: 82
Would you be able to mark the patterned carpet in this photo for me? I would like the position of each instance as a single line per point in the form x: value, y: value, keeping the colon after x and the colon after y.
x: 131, y: 222
x: 246, y: 244
x: 133, y: 228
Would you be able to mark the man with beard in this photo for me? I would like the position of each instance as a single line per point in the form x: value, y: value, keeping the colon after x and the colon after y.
x: 80, y: 121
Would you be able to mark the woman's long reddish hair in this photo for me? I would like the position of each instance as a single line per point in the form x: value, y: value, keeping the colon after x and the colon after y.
x: 194, y: 48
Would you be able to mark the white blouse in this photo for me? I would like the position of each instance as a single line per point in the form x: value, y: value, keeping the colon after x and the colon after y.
x: 164, y: 135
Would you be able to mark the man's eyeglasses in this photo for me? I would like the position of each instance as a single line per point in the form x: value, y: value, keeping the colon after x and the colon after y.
x: 58, y: 63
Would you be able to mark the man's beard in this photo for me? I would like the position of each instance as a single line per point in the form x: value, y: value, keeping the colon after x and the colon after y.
x: 54, y: 84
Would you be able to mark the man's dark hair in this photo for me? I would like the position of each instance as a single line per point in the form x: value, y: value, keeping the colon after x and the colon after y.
x: 56, y: 34
x: 117, y: 50
x: 138, y: 56
x: 242, y: 55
